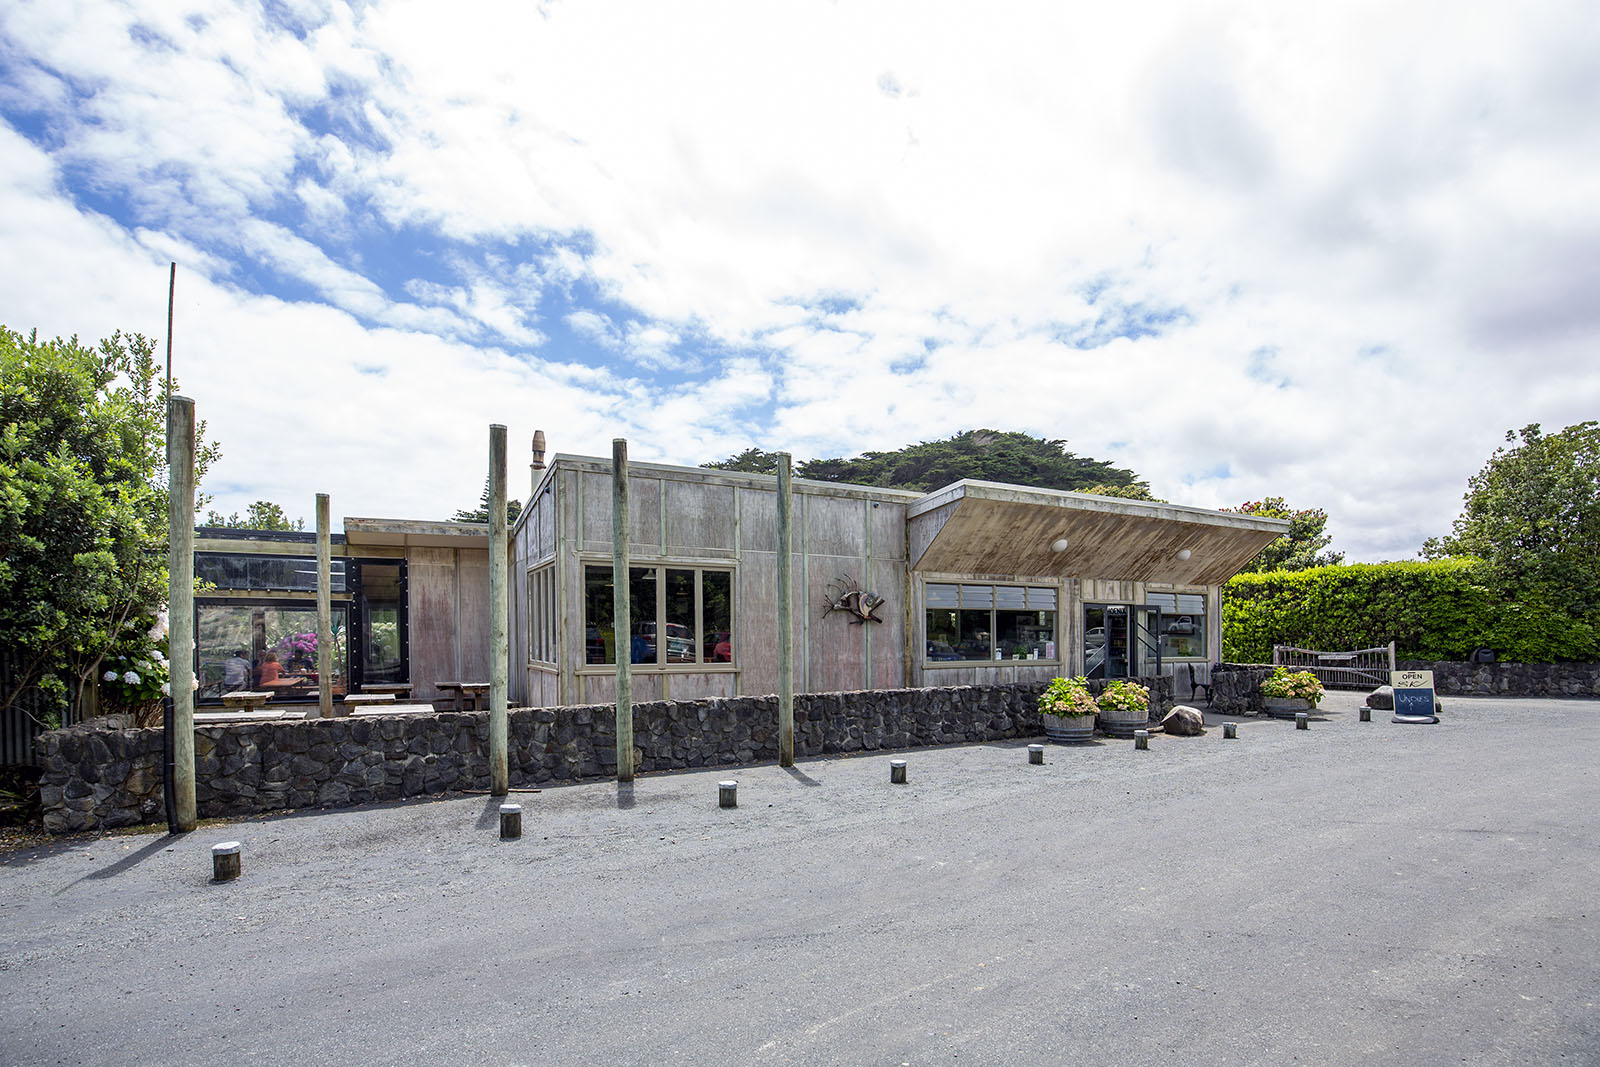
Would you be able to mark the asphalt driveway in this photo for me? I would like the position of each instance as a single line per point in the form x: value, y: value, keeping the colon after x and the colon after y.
x: 1355, y: 893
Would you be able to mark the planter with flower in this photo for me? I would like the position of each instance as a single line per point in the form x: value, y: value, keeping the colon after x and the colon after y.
x: 1124, y: 708
x: 1285, y: 692
x: 1067, y: 709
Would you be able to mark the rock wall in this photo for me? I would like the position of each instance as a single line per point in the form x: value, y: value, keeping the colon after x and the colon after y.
x: 1510, y: 679
x: 95, y: 777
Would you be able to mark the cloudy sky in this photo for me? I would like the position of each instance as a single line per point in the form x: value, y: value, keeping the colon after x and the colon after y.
x: 1326, y: 253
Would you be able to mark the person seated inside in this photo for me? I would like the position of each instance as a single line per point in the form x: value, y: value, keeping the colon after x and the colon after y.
x: 270, y: 669
x: 235, y: 672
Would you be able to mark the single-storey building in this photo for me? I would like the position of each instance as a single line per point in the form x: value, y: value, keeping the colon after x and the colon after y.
x: 976, y: 583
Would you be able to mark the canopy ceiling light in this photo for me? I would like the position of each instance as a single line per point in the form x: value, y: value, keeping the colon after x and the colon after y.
x: 1184, y: 553
x: 1058, y: 545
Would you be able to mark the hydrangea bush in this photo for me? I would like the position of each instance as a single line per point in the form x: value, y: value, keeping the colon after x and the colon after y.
x: 1122, y: 695
x: 1284, y: 684
x: 1067, y: 697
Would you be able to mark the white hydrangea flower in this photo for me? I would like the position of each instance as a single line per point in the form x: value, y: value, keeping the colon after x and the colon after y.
x: 142, y: 664
x: 131, y: 678
x: 194, y: 683
x: 111, y: 676
x: 159, y: 630
x: 166, y: 689
x: 158, y: 655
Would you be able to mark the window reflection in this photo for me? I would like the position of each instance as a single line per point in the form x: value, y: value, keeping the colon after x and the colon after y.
x: 680, y: 616
x: 265, y: 648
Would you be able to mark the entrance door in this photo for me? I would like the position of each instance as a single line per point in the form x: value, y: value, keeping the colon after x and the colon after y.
x: 1146, y: 642
x: 380, y: 626
x: 1106, y: 640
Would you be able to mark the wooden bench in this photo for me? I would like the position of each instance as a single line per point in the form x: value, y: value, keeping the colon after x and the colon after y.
x: 463, y: 693
x: 364, y: 699
x: 223, y: 718
x: 399, y: 690
x: 392, y: 709
x: 246, y: 699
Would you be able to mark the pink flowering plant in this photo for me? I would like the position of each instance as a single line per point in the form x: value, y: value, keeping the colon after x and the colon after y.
x: 1284, y: 684
x: 1067, y: 697
x: 1122, y: 695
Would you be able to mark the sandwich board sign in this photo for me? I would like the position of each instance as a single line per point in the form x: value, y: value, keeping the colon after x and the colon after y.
x: 1413, y: 696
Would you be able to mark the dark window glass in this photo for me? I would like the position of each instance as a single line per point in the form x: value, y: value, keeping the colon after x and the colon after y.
x: 679, y: 599
x: 717, y: 608
x: 265, y: 573
x: 600, y: 639
x: 1183, y: 624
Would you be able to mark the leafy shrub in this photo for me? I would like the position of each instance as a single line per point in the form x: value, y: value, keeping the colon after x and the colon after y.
x: 1285, y: 684
x: 1067, y: 697
x: 1439, y: 610
x: 1124, y: 696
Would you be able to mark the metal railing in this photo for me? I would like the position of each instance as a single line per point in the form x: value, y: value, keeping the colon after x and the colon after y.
x: 1362, y: 668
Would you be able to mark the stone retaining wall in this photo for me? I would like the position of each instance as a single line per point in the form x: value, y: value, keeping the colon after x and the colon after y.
x: 1510, y: 679
x: 94, y: 777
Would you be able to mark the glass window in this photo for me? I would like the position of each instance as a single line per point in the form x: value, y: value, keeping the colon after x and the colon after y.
x: 677, y: 604
x: 1183, y: 624
x: 542, y: 635
x: 265, y: 648
x: 265, y: 573
x: 381, y: 644
x: 989, y: 622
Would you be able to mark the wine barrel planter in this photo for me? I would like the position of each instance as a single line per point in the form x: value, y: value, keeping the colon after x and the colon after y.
x: 1116, y: 722
x: 1068, y: 729
x: 1285, y: 707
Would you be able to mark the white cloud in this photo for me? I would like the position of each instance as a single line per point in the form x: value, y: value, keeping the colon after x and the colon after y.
x: 897, y: 219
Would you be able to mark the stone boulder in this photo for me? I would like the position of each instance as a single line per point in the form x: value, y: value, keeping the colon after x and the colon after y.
x: 1184, y: 721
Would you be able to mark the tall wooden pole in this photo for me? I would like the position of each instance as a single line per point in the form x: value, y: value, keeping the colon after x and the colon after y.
x: 785, y: 612
x: 499, y: 648
x: 622, y: 608
x: 324, y: 608
x: 180, y: 604
x: 172, y: 289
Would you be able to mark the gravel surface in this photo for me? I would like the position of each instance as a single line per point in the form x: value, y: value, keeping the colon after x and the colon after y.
x: 1355, y: 893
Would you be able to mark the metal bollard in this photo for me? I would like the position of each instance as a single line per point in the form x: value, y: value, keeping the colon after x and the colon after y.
x: 1141, y: 739
x: 510, y: 821
x: 728, y: 794
x: 1230, y: 729
x: 1036, y: 754
x: 1366, y: 713
x: 897, y: 772
x: 1302, y: 721
x: 225, y: 861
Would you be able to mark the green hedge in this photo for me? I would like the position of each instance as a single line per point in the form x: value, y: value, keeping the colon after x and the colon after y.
x: 1438, y: 610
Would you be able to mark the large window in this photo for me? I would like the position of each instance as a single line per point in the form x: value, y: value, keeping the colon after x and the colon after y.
x: 265, y: 573
x: 681, y: 616
x: 265, y: 647
x: 1183, y: 624
x: 542, y: 622
x: 990, y: 622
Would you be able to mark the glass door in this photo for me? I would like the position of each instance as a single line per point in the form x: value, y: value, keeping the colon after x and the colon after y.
x: 380, y: 622
x: 1146, y: 642
x: 1106, y: 640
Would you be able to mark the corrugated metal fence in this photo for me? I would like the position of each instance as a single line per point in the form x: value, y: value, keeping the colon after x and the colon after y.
x: 20, y: 723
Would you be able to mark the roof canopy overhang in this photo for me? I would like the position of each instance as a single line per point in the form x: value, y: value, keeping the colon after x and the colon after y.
x: 987, y: 528
x: 414, y: 533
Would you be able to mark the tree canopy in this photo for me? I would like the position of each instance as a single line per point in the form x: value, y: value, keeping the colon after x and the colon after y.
x: 261, y: 515
x: 481, y: 512
x: 1299, y: 549
x: 981, y: 455
x: 1533, y: 514
x: 83, y: 509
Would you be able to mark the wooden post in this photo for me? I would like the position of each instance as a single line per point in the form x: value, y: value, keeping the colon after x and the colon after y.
x: 499, y: 649
x: 225, y: 865
x: 785, y: 612
x: 622, y: 619
x: 324, y: 607
x: 180, y: 603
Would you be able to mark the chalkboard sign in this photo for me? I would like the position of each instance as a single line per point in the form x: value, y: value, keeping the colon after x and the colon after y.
x: 1413, y: 696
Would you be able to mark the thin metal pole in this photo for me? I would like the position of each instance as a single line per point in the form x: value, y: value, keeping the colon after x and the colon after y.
x: 499, y: 649
x: 324, y: 607
x: 622, y: 623
x: 785, y: 612
x: 180, y: 605
x: 172, y: 288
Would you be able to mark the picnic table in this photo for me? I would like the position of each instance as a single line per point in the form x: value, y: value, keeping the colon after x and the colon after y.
x: 246, y: 699
x: 392, y: 709
x: 363, y: 699
x: 463, y: 692
x: 223, y: 718
x: 395, y: 689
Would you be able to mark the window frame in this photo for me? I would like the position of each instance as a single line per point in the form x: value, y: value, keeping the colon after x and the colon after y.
x: 544, y: 615
x: 993, y: 608
x: 661, y: 566
x: 1204, y: 618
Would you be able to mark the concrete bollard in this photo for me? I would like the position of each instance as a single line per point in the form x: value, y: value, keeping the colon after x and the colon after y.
x: 1036, y: 754
x: 897, y: 772
x: 1230, y: 730
x: 510, y: 821
x: 1302, y: 721
x: 225, y: 861
x: 728, y: 794
x: 1366, y: 713
x: 1141, y: 739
